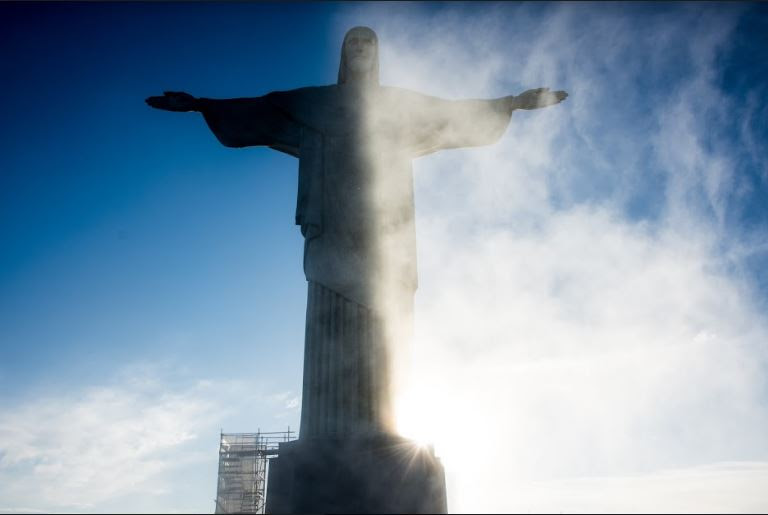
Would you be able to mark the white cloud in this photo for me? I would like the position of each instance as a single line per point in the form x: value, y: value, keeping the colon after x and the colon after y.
x: 129, y: 446
x: 721, y: 488
x: 571, y: 355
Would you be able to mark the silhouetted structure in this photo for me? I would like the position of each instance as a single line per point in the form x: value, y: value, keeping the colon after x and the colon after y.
x: 355, y: 142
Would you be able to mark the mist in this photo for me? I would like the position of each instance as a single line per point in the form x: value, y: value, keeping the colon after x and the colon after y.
x: 588, y: 335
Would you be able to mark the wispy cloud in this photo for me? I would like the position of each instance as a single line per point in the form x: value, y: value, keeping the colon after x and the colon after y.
x: 721, y: 488
x: 583, y: 317
x: 138, y: 436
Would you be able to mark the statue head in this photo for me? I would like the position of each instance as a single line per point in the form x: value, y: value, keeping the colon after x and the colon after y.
x: 359, y: 57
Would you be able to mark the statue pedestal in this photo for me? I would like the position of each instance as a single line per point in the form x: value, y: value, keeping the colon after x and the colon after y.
x: 356, y: 474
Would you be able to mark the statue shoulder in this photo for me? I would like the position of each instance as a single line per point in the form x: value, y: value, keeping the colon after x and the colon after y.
x: 307, y: 106
x: 301, y: 95
x: 394, y: 91
x: 405, y: 98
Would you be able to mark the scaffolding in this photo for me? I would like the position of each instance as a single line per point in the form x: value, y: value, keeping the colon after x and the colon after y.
x: 243, y: 469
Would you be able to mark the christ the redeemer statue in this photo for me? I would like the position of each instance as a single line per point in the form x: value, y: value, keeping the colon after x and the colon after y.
x: 355, y: 142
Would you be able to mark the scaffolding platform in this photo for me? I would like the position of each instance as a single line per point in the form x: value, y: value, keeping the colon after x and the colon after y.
x: 243, y: 469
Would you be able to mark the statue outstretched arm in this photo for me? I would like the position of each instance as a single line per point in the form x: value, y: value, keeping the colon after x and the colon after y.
x: 436, y: 124
x: 238, y: 122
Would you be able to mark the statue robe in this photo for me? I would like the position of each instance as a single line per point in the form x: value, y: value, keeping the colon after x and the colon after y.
x: 356, y: 211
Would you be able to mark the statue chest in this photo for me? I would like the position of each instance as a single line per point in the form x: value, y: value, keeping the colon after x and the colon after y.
x: 365, y: 181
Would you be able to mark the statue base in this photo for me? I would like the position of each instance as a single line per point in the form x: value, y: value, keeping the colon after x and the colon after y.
x: 356, y: 474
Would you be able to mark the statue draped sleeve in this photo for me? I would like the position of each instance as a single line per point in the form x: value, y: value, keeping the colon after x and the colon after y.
x: 273, y: 120
x: 438, y: 124
x: 246, y: 122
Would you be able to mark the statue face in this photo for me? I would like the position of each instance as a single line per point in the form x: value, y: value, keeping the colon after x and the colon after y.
x: 360, y: 48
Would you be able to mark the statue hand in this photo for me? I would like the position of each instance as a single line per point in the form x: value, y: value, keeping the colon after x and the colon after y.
x: 173, y: 101
x: 537, y: 98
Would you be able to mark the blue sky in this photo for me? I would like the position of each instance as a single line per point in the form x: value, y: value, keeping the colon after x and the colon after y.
x: 111, y: 220
x: 150, y: 278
